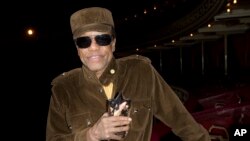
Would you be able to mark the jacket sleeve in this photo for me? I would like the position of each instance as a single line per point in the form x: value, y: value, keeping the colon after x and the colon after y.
x: 169, y: 109
x: 58, y: 123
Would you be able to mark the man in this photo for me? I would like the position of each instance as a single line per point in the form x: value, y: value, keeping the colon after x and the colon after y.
x: 78, y: 107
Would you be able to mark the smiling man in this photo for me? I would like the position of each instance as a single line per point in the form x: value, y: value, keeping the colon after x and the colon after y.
x: 96, y: 58
x: 79, y: 105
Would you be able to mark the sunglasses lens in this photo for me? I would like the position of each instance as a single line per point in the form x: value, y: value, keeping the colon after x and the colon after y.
x: 103, y: 40
x: 83, y: 42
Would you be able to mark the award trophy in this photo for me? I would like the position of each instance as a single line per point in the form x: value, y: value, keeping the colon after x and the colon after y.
x: 119, y: 106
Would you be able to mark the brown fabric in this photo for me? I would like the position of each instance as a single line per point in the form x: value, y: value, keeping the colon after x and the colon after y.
x: 78, y: 101
x: 94, y: 18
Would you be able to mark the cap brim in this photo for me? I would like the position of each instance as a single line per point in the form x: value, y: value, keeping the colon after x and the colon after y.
x: 92, y: 27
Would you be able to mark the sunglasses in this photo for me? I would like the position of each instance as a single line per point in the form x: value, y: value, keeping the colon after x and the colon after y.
x: 101, y: 40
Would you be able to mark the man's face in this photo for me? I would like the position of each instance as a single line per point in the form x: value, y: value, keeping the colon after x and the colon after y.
x: 98, y: 54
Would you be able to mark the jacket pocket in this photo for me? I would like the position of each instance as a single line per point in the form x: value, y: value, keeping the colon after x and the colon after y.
x: 140, y: 114
x: 79, y: 121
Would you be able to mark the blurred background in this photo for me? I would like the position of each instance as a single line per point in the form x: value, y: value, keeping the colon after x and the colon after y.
x: 201, y: 48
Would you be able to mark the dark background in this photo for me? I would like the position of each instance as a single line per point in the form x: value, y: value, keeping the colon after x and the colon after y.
x: 30, y: 63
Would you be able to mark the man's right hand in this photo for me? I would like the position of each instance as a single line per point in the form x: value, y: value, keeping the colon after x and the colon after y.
x: 107, y: 127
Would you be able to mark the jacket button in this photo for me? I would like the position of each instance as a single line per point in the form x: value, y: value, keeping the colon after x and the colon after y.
x: 112, y: 71
x: 88, y: 122
x: 100, y: 90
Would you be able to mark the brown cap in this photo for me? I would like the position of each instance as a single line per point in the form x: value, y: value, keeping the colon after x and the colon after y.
x: 91, y: 19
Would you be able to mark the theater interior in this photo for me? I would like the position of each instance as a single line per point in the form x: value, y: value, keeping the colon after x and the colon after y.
x: 200, y: 47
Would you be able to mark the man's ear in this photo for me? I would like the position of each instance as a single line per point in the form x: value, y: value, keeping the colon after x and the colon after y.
x: 113, y: 48
x: 78, y: 52
x: 113, y: 45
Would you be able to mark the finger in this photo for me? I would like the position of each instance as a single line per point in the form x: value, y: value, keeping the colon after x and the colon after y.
x: 121, y: 129
x: 105, y: 114
x: 118, y: 118
x: 121, y: 107
x: 119, y: 123
x: 120, y: 132
x: 112, y: 134
x: 115, y: 137
x: 105, y: 117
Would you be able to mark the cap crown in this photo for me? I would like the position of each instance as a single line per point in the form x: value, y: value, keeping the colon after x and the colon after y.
x: 91, y: 19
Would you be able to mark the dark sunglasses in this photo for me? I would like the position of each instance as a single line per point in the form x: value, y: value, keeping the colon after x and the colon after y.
x: 101, y: 40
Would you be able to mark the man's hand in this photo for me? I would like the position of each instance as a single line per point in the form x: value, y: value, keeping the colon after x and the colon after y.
x: 107, y: 127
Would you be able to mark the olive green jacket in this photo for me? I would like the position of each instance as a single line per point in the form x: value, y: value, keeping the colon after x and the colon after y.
x: 78, y: 101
